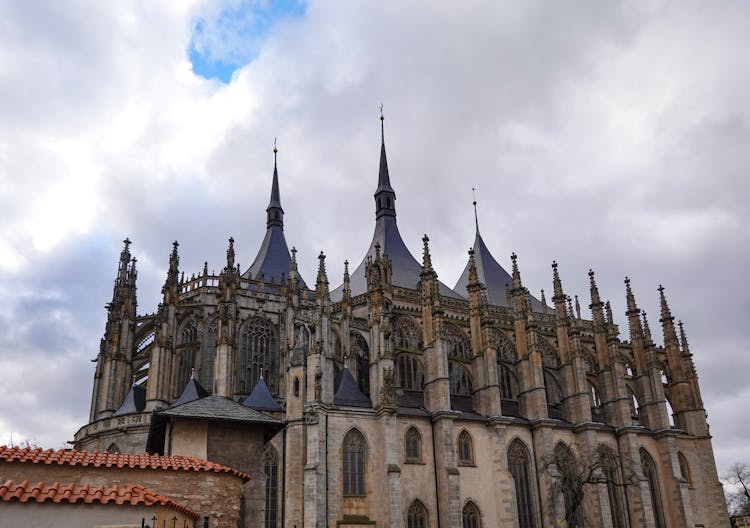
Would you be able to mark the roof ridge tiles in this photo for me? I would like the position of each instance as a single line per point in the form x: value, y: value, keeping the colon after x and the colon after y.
x: 73, y: 457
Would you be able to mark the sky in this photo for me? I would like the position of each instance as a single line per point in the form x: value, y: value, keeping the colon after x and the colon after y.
x: 604, y: 135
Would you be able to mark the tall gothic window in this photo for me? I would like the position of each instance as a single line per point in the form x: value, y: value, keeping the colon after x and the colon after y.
x: 354, y: 451
x: 684, y: 468
x: 209, y: 353
x: 460, y: 382
x: 508, y: 388
x: 186, y: 357
x: 552, y: 389
x: 608, y: 463
x: 566, y: 466
x: 470, y: 515
x: 518, y: 464
x: 257, y: 356
x: 406, y: 334
x: 409, y: 372
x: 413, y: 445
x: 361, y: 353
x: 271, y: 470
x: 649, y: 470
x: 416, y: 517
x: 465, y: 449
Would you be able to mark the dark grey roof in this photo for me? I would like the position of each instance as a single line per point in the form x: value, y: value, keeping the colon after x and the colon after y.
x: 192, y: 391
x: 348, y: 393
x: 261, y: 399
x: 492, y: 275
x: 218, y: 408
x: 406, y: 269
x: 135, y: 401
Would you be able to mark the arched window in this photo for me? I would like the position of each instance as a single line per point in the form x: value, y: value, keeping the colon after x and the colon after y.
x: 416, y: 516
x: 361, y: 352
x: 457, y: 343
x: 257, y: 356
x: 210, y: 339
x: 633, y: 404
x: 649, y: 470
x: 552, y: 389
x: 465, y: 449
x: 508, y: 386
x: 550, y: 358
x: 413, y: 445
x: 354, y: 452
x: 608, y: 463
x: 271, y: 470
x: 505, y: 348
x: 406, y: 334
x: 471, y: 516
x: 684, y: 468
x: 409, y: 372
x: 186, y: 354
x: 460, y: 382
x: 570, y: 484
x: 518, y: 465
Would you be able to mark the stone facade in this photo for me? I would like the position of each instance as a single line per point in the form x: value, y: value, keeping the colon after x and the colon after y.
x: 495, y: 382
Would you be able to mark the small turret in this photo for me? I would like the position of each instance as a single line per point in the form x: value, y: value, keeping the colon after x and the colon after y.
x: 385, y: 196
x: 321, y: 285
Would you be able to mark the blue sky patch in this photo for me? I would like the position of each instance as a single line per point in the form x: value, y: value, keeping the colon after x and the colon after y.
x: 231, y: 37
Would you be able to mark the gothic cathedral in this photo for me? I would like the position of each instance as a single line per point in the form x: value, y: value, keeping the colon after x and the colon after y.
x: 395, y: 400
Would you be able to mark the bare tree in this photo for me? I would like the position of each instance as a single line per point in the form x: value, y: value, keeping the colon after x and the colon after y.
x: 575, y: 472
x: 738, y: 497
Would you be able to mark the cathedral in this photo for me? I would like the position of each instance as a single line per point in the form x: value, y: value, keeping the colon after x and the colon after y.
x: 397, y: 400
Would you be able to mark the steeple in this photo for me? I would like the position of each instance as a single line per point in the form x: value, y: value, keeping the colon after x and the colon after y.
x: 385, y: 197
x: 273, y: 259
x: 274, y: 212
x: 476, y: 218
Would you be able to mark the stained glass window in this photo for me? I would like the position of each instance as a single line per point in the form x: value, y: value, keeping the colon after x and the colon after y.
x: 354, y: 452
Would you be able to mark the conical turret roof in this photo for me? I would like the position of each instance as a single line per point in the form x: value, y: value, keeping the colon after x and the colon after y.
x: 273, y: 259
x: 348, y: 393
x: 405, y: 268
x: 135, y: 401
x: 261, y: 399
x: 492, y: 275
x: 192, y: 391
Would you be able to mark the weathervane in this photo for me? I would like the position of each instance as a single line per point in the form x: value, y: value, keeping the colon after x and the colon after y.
x: 476, y: 219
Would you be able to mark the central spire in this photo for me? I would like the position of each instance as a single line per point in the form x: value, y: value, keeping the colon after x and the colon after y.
x: 385, y: 197
x: 274, y: 212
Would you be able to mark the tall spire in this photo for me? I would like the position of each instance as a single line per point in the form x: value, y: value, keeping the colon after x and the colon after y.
x: 274, y: 212
x: 385, y: 197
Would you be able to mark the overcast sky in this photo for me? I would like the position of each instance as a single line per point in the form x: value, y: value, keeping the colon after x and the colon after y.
x: 605, y: 135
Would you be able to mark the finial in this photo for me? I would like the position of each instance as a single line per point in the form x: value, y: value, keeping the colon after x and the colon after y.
x: 192, y: 373
x: 382, y: 127
x: 544, y: 303
x: 646, y: 328
x: 666, y: 314
x: 578, y: 308
x: 230, y: 254
x: 205, y: 267
x: 127, y: 243
x: 294, y: 254
x: 473, y: 276
x: 608, y: 310
x: 632, y: 308
x: 683, y: 339
x: 596, y: 301
x: 426, y: 259
x: 377, y: 250
x: 275, y: 150
x: 516, y: 274
x: 569, y: 300
x: 476, y: 218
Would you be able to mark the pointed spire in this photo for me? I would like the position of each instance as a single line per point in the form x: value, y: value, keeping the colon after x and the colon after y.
x: 473, y: 276
x: 595, y: 299
x: 666, y: 314
x: 544, y: 303
x: 646, y: 329
x: 385, y: 197
x: 230, y: 254
x: 610, y: 317
x: 274, y: 212
x: 426, y: 258
x: 569, y: 301
x: 558, y: 296
x: 516, y: 274
x: 632, y: 307
x: 683, y: 339
x: 578, y: 308
x: 667, y: 322
x: 476, y: 218
x: 321, y: 285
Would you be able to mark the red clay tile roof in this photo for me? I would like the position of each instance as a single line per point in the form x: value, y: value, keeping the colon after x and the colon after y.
x: 120, y: 460
x: 70, y: 493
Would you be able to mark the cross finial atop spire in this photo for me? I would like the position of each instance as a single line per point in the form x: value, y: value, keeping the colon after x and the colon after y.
x: 382, y: 126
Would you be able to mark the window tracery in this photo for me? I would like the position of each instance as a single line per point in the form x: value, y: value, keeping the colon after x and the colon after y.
x: 505, y: 348
x: 413, y: 445
x: 361, y: 353
x: 465, y: 449
x: 256, y: 356
x: 608, y: 463
x: 649, y: 470
x: 406, y: 334
x: 271, y: 471
x: 470, y: 516
x: 410, y: 374
x: 459, y: 379
x: 518, y: 464
x: 354, y: 450
x: 416, y: 517
x: 457, y: 343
